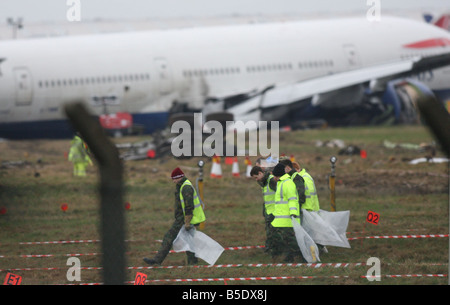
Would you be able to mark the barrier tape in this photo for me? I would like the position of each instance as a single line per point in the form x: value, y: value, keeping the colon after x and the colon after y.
x: 91, y: 254
x: 60, y: 242
x: 309, y: 265
x: 245, y: 247
x: 400, y: 236
x: 404, y: 275
x: 49, y: 255
x: 407, y: 230
x: 234, y: 248
x: 80, y: 241
x: 265, y: 278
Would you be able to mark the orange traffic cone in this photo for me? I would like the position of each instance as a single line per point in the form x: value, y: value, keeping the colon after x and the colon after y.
x: 216, y: 169
x: 249, y: 167
x: 235, y: 168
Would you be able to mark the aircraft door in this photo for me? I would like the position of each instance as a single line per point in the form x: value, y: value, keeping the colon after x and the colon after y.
x: 352, y: 56
x: 23, y: 86
x: 163, y: 75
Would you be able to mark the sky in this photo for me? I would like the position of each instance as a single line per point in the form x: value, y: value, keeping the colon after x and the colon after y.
x: 56, y: 10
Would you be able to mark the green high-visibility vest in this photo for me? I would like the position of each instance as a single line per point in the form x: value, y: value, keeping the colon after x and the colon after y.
x: 198, y: 214
x: 312, y: 200
x: 286, y: 202
x: 269, y: 197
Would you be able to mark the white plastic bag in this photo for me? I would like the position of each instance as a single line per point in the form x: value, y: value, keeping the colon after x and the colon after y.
x: 306, y: 244
x: 198, y: 242
x: 327, y: 228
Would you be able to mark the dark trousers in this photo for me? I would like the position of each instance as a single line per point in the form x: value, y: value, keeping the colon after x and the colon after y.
x: 167, y: 242
x: 284, y: 243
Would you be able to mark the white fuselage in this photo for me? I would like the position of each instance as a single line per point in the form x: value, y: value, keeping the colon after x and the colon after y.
x: 145, y: 72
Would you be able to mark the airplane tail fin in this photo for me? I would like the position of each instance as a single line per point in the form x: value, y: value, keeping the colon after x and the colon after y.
x: 443, y: 22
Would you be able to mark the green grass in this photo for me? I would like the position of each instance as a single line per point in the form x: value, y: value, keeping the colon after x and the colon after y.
x: 411, y: 199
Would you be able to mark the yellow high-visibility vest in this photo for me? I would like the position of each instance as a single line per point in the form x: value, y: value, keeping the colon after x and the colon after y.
x: 312, y: 200
x: 269, y: 197
x: 198, y: 214
x: 286, y: 202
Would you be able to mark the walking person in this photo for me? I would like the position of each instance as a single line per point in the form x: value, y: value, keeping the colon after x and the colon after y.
x: 188, y: 211
x: 286, y: 210
x: 268, y: 186
x: 79, y: 156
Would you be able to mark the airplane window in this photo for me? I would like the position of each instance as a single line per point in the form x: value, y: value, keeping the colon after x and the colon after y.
x: 40, y: 84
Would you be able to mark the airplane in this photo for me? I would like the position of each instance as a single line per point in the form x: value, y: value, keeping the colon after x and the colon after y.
x: 267, y: 71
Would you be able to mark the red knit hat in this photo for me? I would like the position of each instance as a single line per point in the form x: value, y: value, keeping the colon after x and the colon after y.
x: 177, y: 173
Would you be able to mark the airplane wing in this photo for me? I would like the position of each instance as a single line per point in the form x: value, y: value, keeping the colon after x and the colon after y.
x: 376, y: 76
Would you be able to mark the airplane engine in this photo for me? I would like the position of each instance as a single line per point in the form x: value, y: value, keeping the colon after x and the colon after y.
x: 401, y: 96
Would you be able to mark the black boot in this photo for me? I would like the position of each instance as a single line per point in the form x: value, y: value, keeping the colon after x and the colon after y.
x: 151, y: 261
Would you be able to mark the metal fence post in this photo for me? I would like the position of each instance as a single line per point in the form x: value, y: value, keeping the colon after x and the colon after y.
x: 112, y: 227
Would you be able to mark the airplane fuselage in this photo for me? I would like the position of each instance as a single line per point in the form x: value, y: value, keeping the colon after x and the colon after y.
x: 143, y: 73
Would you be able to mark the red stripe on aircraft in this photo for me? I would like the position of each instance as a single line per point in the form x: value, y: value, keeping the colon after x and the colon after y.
x: 429, y: 43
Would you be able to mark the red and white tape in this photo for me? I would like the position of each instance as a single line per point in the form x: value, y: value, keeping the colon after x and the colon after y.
x: 49, y: 255
x: 60, y: 242
x: 232, y: 248
x: 400, y: 236
x: 229, y: 248
x: 266, y: 278
x: 308, y: 265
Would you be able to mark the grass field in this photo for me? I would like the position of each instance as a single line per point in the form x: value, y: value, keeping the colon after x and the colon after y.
x: 411, y: 200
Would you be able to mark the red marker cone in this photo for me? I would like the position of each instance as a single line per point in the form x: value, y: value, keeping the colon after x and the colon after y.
x: 64, y: 207
x: 363, y: 154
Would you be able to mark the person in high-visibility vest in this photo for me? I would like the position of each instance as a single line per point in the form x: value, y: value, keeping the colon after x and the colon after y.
x: 188, y: 212
x: 286, y: 210
x: 268, y: 187
x: 78, y: 155
x: 312, y: 199
x: 297, y: 179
